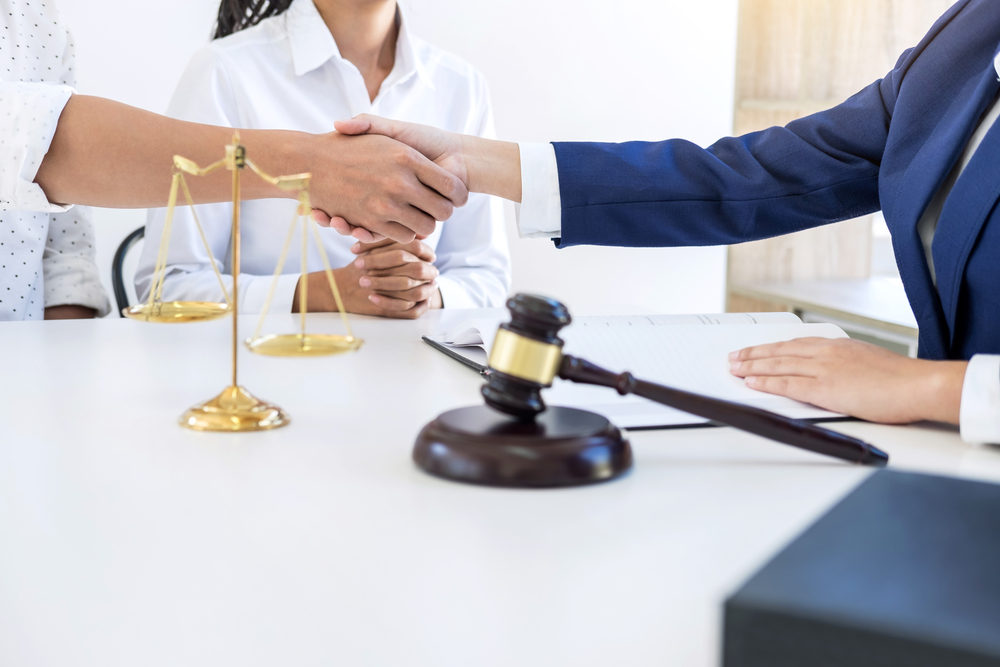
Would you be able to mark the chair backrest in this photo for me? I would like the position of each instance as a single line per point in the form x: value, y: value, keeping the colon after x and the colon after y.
x: 118, y: 270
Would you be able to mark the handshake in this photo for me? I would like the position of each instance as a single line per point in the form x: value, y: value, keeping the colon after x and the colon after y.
x: 396, y: 180
x: 387, y: 183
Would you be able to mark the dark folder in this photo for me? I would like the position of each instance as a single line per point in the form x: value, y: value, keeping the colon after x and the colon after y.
x: 904, y: 571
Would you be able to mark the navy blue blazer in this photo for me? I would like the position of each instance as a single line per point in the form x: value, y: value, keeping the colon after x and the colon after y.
x: 890, y: 146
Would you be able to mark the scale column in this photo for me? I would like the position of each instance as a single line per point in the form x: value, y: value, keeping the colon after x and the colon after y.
x: 238, y: 162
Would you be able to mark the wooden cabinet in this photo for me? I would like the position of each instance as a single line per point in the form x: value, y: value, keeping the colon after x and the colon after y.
x: 794, y: 58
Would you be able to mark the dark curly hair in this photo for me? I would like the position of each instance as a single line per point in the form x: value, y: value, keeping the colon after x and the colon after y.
x: 234, y: 15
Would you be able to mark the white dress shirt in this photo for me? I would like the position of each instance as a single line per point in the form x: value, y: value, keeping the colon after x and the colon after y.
x: 46, y: 250
x: 287, y: 73
x: 540, y: 216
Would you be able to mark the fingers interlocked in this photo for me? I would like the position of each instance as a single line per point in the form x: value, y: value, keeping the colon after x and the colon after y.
x: 400, y: 275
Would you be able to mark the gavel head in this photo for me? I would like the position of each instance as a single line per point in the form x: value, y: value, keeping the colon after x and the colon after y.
x: 526, y: 355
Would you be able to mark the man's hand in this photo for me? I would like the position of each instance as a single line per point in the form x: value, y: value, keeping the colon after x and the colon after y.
x: 483, y: 165
x: 383, y: 186
x: 401, y: 275
x: 855, y: 378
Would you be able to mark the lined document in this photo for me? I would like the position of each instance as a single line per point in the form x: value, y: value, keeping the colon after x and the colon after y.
x: 688, y: 352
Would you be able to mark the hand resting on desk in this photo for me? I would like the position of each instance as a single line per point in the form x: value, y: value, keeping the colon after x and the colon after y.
x: 388, y: 279
x: 855, y: 378
x: 401, y: 276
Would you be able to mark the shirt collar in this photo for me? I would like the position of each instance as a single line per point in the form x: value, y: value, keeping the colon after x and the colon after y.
x: 312, y: 45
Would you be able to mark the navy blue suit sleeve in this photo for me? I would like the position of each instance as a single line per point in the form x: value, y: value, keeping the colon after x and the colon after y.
x: 820, y: 169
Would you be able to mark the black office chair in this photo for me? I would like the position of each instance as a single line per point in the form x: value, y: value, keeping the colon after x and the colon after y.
x: 117, y: 265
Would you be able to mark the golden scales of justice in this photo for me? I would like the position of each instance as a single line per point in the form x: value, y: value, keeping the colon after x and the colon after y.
x: 236, y: 409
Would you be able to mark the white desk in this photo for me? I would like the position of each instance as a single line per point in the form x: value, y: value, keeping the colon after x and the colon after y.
x: 127, y: 540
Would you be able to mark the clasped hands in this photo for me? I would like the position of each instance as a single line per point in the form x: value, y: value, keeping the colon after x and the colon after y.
x: 388, y: 279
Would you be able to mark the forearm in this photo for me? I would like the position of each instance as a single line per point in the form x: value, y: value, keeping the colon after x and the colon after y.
x: 109, y: 154
x: 70, y: 313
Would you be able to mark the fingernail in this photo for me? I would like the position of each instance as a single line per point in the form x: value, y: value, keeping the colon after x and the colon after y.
x: 360, y: 263
x: 735, y: 366
x: 751, y: 381
x: 733, y: 355
x: 356, y: 247
x: 364, y: 282
x: 374, y: 299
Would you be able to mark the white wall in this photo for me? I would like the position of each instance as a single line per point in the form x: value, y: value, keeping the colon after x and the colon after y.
x: 558, y: 70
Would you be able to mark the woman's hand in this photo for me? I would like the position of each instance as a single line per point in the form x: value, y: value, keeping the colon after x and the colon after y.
x: 400, y: 275
x: 388, y: 280
x: 855, y: 378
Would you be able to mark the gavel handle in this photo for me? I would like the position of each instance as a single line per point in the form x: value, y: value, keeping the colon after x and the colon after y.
x: 794, y: 432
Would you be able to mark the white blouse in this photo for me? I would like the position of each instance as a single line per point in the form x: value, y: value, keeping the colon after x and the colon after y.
x: 287, y: 73
x: 46, y: 250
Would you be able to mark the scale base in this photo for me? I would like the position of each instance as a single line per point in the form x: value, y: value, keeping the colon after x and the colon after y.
x: 234, y: 410
x: 563, y: 447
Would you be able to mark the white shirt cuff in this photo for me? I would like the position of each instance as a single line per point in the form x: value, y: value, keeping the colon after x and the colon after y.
x: 539, y: 215
x: 254, y: 293
x: 454, y: 294
x: 979, y: 415
x: 32, y: 115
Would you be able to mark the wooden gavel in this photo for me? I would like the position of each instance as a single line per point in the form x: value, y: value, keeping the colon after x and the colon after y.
x: 527, y: 356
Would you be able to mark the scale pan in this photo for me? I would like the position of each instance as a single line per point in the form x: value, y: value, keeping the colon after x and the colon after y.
x: 303, y: 345
x: 177, y: 311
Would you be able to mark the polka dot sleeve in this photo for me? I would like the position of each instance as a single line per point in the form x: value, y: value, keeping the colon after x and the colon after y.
x: 29, y: 113
x: 68, y: 263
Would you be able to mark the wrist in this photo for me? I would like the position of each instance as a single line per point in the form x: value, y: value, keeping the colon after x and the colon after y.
x: 319, y: 297
x: 276, y: 153
x: 494, y: 167
x: 943, y: 391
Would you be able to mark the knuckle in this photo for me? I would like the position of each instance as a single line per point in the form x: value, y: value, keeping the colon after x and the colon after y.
x: 379, y: 207
x: 447, y: 209
x: 407, y: 156
x: 426, y: 227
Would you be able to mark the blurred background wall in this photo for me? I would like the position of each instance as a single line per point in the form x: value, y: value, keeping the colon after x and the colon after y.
x: 558, y: 70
